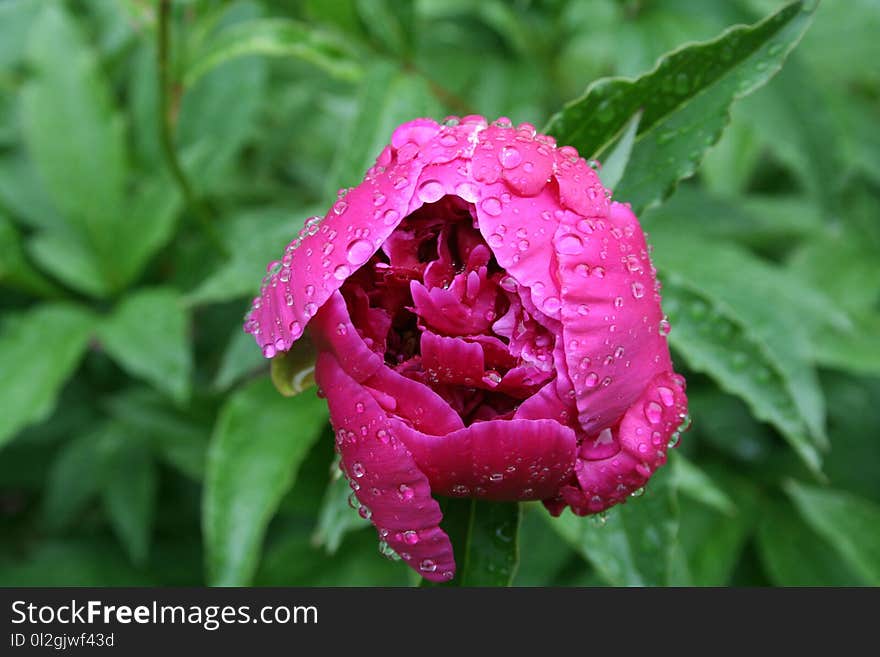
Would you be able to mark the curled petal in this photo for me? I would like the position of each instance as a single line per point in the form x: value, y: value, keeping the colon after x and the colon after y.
x: 334, y: 332
x: 495, y: 460
x: 610, y: 314
x: 393, y: 492
x: 641, y: 442
x: 328, y: 251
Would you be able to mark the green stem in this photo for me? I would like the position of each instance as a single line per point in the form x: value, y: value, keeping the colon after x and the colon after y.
x: 166, y: 130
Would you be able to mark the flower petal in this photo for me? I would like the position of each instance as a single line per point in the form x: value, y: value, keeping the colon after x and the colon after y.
x: 328, y: 251
x: 395, y: 494
x: 334, y: 332
x: 610, y: 314
x: 643, y: 436
x: 495, y: 460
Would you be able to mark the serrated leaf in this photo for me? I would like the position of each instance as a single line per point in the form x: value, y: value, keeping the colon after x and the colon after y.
x: 129, y: 496
x: 769, y: 314
x: 614, y: 164
x: 386, y: 98
x: 714, y: 341
x: 147, y: 334
x: 849, y: 523
x: 39, y: 350
x: 259, y: 442
x: 636, y: 545
x: 276, y: 37
x: 685, y: 100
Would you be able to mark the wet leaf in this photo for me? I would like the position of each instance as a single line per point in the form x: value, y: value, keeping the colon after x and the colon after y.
x: 685, y: 102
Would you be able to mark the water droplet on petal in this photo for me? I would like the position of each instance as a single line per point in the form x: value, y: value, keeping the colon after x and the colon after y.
x: 358, y: 470
x: 654, y: 412
x: 570, y: 244
x: 359, y: 251
x: 491, y: 206
x: 431, y: 191
x: 509, y: 157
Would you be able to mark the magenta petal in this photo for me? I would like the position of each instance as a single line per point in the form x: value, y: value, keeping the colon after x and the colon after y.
x: 395, y: 495
x: 423, y: 408
x: 643, y: 436
x: 452, y: 360
x: 611, y: 314
x: 495, y: 460
x: 579, y: 186
x: 328, y: 251
x: 333, y: 331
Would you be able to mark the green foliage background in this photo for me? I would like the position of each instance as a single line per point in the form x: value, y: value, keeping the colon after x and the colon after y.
x: 141, y: 441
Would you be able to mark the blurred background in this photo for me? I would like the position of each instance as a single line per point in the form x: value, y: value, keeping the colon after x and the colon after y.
x: 141, y: 441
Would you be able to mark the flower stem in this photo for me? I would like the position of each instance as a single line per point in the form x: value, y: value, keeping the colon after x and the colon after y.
x: 166, y: 130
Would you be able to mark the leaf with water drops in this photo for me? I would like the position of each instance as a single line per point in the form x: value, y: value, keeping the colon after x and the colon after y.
x: 260, y: 440
x: 685, y: 102
x: 39, y: 350
x: 147, y: 335
x: 763, y: 304
x: 634, y: 544
x: 713, y: 340
x: 485, y: 539
x: 276, y: 37
x: 849, y: 523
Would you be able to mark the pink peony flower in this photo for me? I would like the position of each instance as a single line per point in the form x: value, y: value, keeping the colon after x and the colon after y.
x: 488, y: 325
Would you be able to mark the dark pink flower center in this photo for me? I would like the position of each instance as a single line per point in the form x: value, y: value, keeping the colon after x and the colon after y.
x: 437, y: 306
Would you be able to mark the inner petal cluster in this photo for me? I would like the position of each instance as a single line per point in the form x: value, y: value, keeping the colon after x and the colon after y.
x: 438, y: 308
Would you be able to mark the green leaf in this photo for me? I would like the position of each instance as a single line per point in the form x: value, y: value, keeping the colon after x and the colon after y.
x: 217, y: 117
x: 259, y: 441
x: 39, y: 350
x: 690, y: 480
x: 23, y: 193
x: 713, y: 541
x: 276, y: 37
x: 685, y: 102
x: 794, y: 555
x: 129, y: 496
x: 15, y: 270
x: 485, y: 539
x: 614, y: 165
x: 240, y: 357
x: 717, y: 297
x: 636, y: 543
x: 78, y: 474
x: 336, y: 518
x: 180, y: 440
x: 75, y: 135
x: 254, y: 238
x: 849, y: 523
x: 147, y: 335
x: 387, y: 97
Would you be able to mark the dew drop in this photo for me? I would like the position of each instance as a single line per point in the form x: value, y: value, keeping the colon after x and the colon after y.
x: 431, y: 191
x: 491, y: 206
x: 358, y: 470
x: 591, y: 380
x: 638, y: 290
x: 359, y: 251
x: 570, y: 244
x: 654, y: 412
x: 509, y: 157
